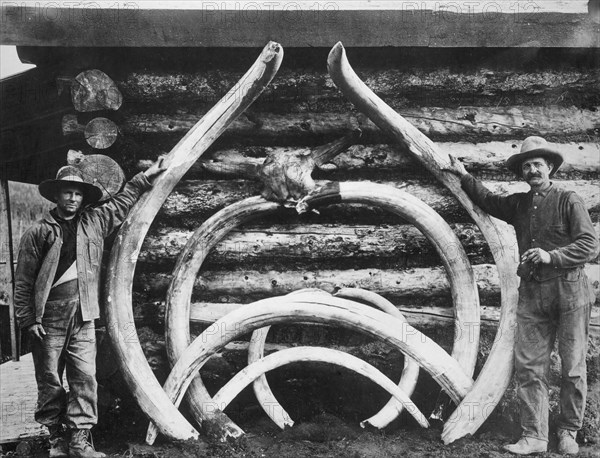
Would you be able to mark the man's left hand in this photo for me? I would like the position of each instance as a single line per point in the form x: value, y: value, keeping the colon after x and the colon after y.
x: 156, y: 168
x: 537, y: 256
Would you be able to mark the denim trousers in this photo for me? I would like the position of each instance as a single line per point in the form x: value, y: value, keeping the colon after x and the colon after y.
x: 559, y: 307
x: 70, y: 344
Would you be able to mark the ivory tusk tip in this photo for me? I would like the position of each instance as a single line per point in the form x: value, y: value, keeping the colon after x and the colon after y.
x: 366, y: 424
x: 274, y: 47
x: 337, y: 53
x: 151, y: 434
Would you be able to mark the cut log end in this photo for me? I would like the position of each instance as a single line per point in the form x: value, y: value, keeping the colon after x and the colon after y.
x: 101, y: 133
x: 94, y: 90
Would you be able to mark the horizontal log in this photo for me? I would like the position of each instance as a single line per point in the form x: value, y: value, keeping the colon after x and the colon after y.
x: 278, y: 245
x: 243, y: 162
x: 311, y: 89
x: 306, y: 24
x: 192, y: 200
x: 416, y: 283
x: 460, y: 124
x: 208, y: 313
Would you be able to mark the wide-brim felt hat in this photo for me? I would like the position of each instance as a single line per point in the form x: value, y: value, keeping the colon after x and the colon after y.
x: 535, y: 147
x: 69, y: 175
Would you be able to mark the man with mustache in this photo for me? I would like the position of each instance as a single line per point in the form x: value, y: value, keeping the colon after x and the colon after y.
x: 57, y: 282
x: 556, y: 238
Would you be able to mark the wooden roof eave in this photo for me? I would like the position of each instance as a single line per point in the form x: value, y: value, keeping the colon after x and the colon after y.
x: 306, y: 24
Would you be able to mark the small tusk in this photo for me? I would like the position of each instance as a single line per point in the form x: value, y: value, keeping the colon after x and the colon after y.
x: 313, y: 354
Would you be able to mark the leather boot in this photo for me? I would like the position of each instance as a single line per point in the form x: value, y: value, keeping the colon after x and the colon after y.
x: 81, y: 446
x: 566, y: 442
x: 527, y: 446
x: 59, y: 446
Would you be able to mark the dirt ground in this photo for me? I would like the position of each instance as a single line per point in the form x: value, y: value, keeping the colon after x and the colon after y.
x: 327, y: 404
x: 327, y: 408
x: 325, y: 435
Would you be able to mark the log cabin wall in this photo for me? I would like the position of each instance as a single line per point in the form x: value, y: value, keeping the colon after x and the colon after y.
x: 478, y: 103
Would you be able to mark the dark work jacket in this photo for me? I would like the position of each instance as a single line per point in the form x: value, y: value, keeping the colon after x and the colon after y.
x: 39, y: 253
x: 555, y: 220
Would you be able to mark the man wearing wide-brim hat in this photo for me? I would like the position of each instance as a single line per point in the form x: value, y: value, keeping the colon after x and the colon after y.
x: 56, y: 300
x: 556, y: 238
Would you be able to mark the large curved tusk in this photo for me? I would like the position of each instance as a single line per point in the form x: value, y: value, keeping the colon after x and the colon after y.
x: 462, y: 282
x: 137, y: 374
x: 385, y: 416
x: 177, y: 311
x: 496, y: 373
x: 262, y: 390
x: 410, y: 372
x: 315, y: 308
x: 460, y: 273
x: 313, y: 354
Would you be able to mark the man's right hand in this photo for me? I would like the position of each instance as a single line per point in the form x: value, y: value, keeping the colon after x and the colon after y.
x: 156, y: 168
x: 36, y: 331
x: 456, y: 167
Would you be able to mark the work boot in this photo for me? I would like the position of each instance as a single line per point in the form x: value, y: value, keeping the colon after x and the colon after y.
x: 81, y: 445
x: 566, y: 441
x: 59, y: 447
x: 527, y: 446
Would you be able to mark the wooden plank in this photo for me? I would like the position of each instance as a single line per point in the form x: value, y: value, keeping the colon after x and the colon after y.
x: 18, y: 391
x: 7, y: 274
x: 301, y: 24
x: 208, y: 313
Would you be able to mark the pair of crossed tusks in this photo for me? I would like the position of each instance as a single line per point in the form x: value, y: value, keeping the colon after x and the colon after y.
x: 453, y: 373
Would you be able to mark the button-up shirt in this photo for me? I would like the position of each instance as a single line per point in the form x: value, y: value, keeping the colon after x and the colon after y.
x: 552, y: 219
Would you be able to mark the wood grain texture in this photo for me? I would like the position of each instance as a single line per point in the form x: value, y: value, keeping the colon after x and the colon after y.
x: 94, y: 90
x: 474, y: 84
x: 193, y: 200
x: 489, y: 158
x: 420, y: 317
x: 401, y: 285
x: 18, y: 391
x: 314, y: 244
x: 101, y: 133
x: 439, y: 124
x: 460, y: 24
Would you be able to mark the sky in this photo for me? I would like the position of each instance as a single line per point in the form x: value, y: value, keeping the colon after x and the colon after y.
x: 10, y: 63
